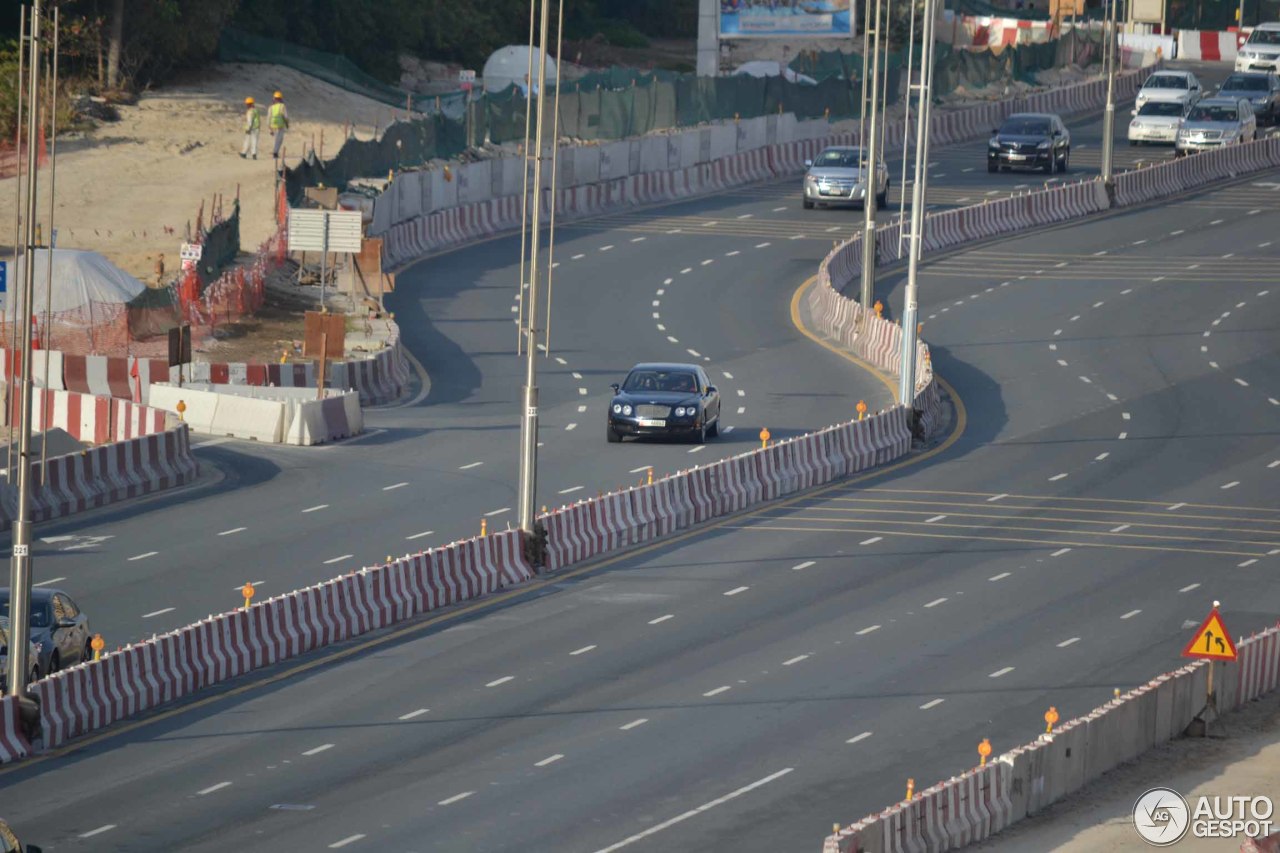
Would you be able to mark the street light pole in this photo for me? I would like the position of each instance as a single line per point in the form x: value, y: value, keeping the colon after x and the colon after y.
x: 1109, y: 117
x: 924, y: 111
x: 871, y: 172
x: 20, y: 562
x: 529, y: 415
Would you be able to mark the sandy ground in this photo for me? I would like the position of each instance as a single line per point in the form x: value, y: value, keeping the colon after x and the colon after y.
x: 1098, y: 819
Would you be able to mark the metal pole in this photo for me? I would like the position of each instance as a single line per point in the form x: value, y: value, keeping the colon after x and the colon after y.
x: 324, y: 257
x: 866, y: 57
x: 48, y: 279
x: 12, y: 372
x: 906, y: 125
x: 529, y: 417
x: 555, y: 185
x: 20, y: 563
x: 871, y: 174
x: 1109, y: 117
x: 906, y: 382
x: 524, y: 186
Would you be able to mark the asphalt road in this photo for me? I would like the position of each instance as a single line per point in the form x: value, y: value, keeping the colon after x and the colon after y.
x: 750, y: 684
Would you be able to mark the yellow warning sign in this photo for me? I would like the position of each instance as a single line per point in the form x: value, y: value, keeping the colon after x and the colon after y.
x: 1212, y: 640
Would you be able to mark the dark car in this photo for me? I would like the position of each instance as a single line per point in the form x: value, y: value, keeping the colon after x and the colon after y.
x: 1030, y: 141
x: 1261, y: 89
x: 9, y: 842
x: 58, y: 627
x: 33, y: 652
x: 665, y: 399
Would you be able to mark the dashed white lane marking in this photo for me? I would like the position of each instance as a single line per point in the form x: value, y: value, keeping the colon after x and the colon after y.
x: 796, y: 237
x: 157, y: 613
x: 578, y: 257
x: 1214, y: 365
x: 763, y: 245
x: 1000, y: 576
x: 873, y: 540
x: 674, y: 230
x: 698, y: 449
x: 1062, y: 363
x: 1098, y: 304
x: 1101, y: 456
x: 932, y: 703
x: 1138, y: 242
x: 935, y: 518
x: 795, y: 660
x: 233, y: 530
x: 1099, y: 254
x: 561, y: 361
x: 727, y: 374
x: 1059, y: 552
x: 1176, y: 233
x: 255, y: 585
x: 1069, y: 642
x: 1057, y: 332
x: 741, y: 393
x: 995, y: 498
x: 1126, y: 416
x: 455, y: 798
x: 686, y: 270
x: 1274, y: 464
x: 143, y: 556
x: 717, y: 691
x: 1122, y: 436
x: 1273, y: 401
x: 91, y: 833
x: 393, y: 487
x: 857, y: 738
x: 576, y: 375
x: 802, y: 566
x: 319, y: 749
x: 661, y: 328
x: 503, y: 680
x: 667, y: 280
x: 737, y: 590
x: 212, y: 788
x: 413, y: 715
x: 420, y: 535
x: 742, y: 410
x: 48, y: 582
x: 1120, y: 528
x: 936, y: 602
x: 694, y: 353
x: 350, y: 839
x: 708, y: 261
x: 1189, y: 587
x: 640, y: 470
x: 637, y: 239
x: 1073, y: 319
x: 569, y: 427
x: 1001, y: 672
x: 1086, y: 380
x: 662, y: 619
x: 605, y: 248
x: 1131, y: 614
x: 581, y: 651
x: 731, y: 254
x: 573, y: 489
x: 1176, y: 506
x: 319, y: 507
x: 1217, y: 222
x: 550, y: 759
x: 833, y: 228
x: 746, y: 216
x: 633, y: 724
x: 1230, y: 485
x: 653, y: 830
x: 1057, y: 477
x: 1241, y: 382
x: 1246, y: 563
x: 1053, y: 347
x: 497, y: 512
x: 867, y: 630
x: 673, y: 339
x: 711, y: 223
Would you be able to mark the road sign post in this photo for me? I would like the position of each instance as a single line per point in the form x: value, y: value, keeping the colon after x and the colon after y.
x: 1211, y: 642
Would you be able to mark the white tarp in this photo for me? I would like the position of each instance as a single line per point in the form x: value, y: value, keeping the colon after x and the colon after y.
x: 80, y: 278
x: 764, y: 68
x: 510, y: 64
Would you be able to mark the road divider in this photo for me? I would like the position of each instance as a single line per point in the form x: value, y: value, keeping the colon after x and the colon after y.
x: 273, y: 415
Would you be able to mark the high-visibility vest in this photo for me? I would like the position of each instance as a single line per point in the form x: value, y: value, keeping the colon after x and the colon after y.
x: 279, y: 118
x: 252, y: 120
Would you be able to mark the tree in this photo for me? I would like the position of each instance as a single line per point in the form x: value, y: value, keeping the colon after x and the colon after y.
x: 115, y: 42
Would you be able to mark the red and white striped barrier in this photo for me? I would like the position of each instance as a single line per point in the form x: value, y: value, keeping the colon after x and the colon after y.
x: 1209, y: 45
x: 1259, y: 666
x: 13, y: 743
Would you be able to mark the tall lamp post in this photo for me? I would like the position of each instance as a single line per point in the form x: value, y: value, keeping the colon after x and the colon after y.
x: 871, y: 171
x: 1109, y: 117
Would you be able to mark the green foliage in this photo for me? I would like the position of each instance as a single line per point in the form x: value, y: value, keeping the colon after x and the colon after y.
x: 622, y: 34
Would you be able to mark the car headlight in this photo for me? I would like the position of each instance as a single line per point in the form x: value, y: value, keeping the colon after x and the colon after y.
x: 626, y: 410
x: 617, y: 408
x: 679, y: 411
x: 1043, y: 145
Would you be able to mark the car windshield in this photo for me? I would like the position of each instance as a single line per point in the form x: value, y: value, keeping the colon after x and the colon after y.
x: 1166, y: 81
x: 1210, y: 113
x: 1241, y: 83
x: 1264, y: 37
x: 39, y: 612
x: 661, y: 380
x: 843, y: 159
x: 1025, y: 127
x: 1161, y: 108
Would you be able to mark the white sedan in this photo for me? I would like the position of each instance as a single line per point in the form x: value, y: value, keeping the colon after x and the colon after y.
x: 1181, y: 87
x: 1156, y: 121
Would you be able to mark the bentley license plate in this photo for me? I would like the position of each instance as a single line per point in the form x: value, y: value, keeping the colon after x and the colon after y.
x: 650, y: 422
x: 1017, y: 156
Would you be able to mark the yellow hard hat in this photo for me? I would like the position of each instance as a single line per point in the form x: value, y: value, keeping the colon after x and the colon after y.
x: 279, y: 96
x: 249, y: 101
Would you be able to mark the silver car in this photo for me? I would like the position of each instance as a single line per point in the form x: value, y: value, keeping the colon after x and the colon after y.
x: 1215, y: 122
x: 1260, y: 88
x: 1179, y: 86
x: 1156, y: 121
x: 836, y: 177
x: 1261, y: 51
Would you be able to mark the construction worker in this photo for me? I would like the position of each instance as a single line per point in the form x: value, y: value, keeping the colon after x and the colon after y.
x: 278, y: 121
x: 252, y: 128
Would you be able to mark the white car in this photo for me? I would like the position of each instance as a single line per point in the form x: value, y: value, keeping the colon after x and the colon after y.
x: 1156, y: 121
x: 1261, y: 52
x: 1180, y: 87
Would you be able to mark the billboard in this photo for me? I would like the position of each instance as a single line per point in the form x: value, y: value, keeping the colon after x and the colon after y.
x: 789, y: 18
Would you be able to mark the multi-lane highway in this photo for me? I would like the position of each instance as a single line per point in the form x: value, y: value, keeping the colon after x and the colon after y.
x: 746, y: 685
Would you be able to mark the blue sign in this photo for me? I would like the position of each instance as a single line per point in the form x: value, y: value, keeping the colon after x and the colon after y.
x: 4, y: 276
x: 785, y: 18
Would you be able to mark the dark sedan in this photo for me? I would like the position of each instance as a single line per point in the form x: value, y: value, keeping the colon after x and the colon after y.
x: 1030, y: 141
x: 666, y: 400
x: 58, y: 627
x: 33, y: 652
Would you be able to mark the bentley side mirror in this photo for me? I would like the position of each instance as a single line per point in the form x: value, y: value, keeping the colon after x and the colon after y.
x: 808, y: 163
x: 614, y: 386
x: 711, y: 389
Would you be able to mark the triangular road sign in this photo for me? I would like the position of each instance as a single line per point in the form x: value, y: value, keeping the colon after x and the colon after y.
x: 1212, y: 640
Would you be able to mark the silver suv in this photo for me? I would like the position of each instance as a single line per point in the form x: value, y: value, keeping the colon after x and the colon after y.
x: 1215, y: 122
x: 836, y: 177
x: 1260, y: 88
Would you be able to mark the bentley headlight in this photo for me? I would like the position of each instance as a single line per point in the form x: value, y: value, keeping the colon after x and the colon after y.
x: 626, y: 410
x: 617, y: 408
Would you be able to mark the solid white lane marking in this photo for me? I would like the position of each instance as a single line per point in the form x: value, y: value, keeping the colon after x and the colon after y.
x: 350, y: 839
x: 1102, y: 456
x: 319, y: 507
x: 737, y: 590
x: 932, y: 703
x: 157, y: 613
x: 653, y: 830
x: 550, y: 759
x: 394, y: 487
x: 319, y: 749
x: 873, y: 540
x: 936, y: 602
x: 213, y: 442
x: 469, y: 467
x: 414, y: 714
x: 1120, y: 528
x: 806, y: 564
x: 857, y: 738
x: 717, y: 691
x: 1131, y: 614
x: 455, y: 798
x: 503, y: 680
x: 420, y: 535
x: 1000, y: 576
x: 338, y: 559
x: 1057, y: 477
x: 662, y: 619
x: 1247, y: 563
x: 573, y: 489
x: 631, y: 725
x: 795, y: 659
x: 212, y: 788
x: 91, y: 833
x: 1189, y: 587
x: 48, y: 582
x: 1059, y: 552
x: 233, y: 530
x: 995, y: 498
x: 143, y: 556
x: 1230, y: 485
x: 1001, y: 672
x: 1175, y: 506
x: 1069, y: 642
x: 497, y: 512
x: 581, y: 651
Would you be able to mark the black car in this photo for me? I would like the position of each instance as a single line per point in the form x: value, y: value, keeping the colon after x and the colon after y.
x: 1030, y: 141
x: 58, y: 627
x: 665, y: 399
x: 33, y: 652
